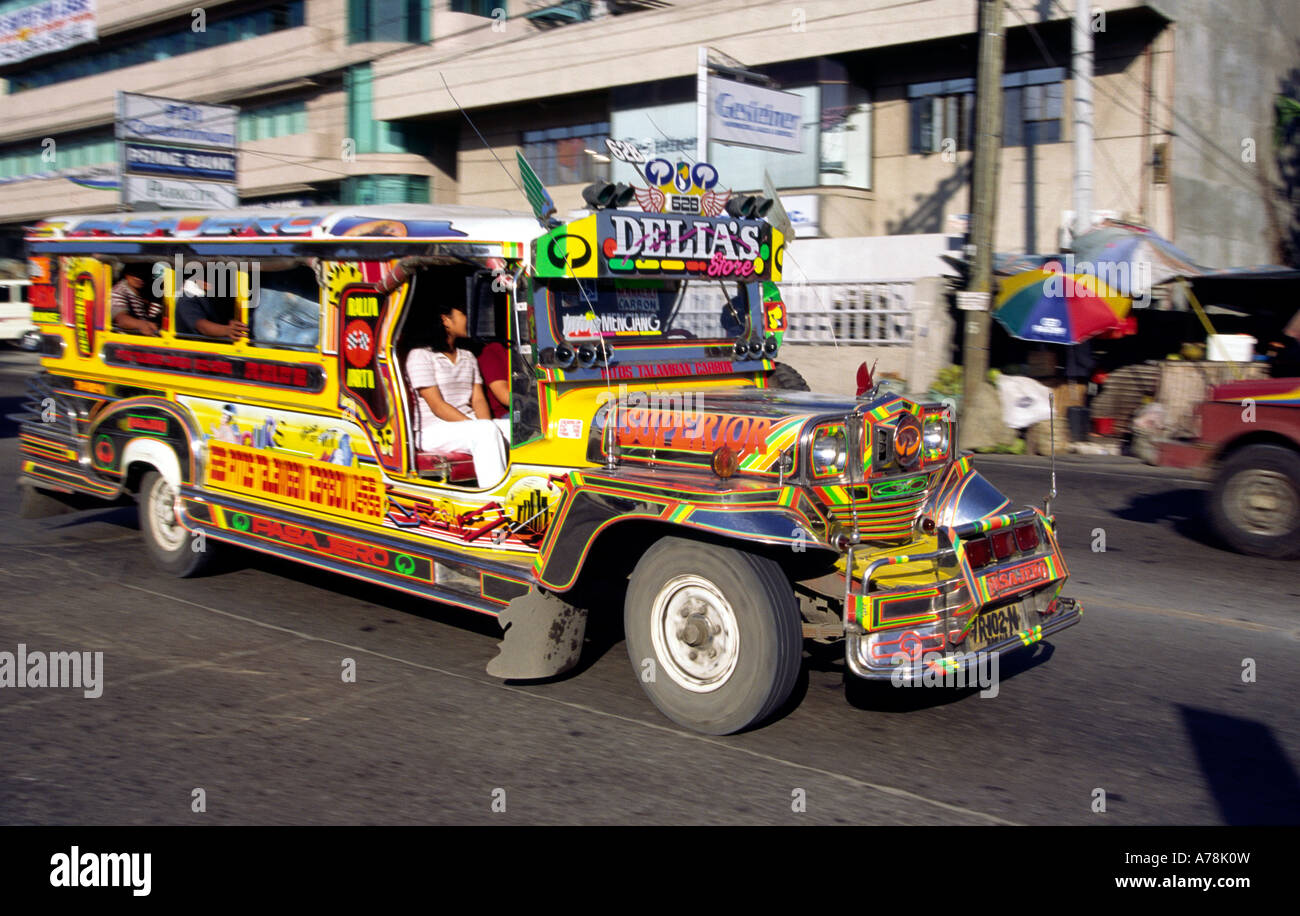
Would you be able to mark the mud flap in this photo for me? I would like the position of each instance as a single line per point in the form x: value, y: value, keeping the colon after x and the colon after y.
x: 543, y: 637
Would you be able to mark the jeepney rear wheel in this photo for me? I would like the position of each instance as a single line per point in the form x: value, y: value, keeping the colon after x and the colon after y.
x: 713, y: 634
x: 170, y: 545
x: 1255, y: 502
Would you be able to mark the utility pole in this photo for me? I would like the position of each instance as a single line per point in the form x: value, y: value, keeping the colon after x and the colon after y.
x: 1082, y: 67
x: 981, y: 417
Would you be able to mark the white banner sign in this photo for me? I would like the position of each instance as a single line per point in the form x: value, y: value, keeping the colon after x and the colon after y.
x: 147, y: 117
x: 183, y: 195
x: 805, y: 214
x: 40, y: 28
x: 753, y: 116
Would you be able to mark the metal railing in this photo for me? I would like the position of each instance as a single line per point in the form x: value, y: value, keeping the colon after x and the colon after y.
x: 846, y: 313
x: 849, y: 313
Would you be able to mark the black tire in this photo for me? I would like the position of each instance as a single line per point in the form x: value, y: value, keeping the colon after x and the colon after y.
x: 171, y: 547
x: 756, y: 671
x: 1272, y: 473
x: 787, y: 377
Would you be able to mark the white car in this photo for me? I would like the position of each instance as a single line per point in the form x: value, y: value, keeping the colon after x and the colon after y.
x: 16, y: 324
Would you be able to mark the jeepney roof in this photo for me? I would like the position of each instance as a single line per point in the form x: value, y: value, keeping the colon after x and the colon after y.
x: 389, y: 222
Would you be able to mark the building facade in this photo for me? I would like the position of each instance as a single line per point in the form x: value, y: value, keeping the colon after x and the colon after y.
x: 419, y: 100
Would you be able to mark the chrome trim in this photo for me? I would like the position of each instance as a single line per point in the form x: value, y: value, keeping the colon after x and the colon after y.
x: 1059, y: 620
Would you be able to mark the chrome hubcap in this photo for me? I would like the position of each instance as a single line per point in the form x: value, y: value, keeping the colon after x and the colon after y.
x: 162, y: 515
x: 695, y: 633
x: 1262, y: 502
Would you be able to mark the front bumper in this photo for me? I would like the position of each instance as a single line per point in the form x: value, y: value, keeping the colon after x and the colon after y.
x: 945, y: 618
x: 905, y: 661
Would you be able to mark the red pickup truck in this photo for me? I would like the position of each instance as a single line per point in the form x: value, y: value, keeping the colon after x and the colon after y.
x: 1250, y: 442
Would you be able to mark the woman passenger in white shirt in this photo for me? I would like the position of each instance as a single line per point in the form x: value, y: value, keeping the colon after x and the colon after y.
x: 454, y: 412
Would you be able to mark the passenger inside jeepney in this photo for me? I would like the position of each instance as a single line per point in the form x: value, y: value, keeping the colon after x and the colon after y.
x: 136, y: 306
x: 199, y: 314
x: 452, y: 408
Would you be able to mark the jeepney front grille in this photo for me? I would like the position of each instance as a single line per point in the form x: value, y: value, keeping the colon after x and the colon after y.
x: 878, y: 520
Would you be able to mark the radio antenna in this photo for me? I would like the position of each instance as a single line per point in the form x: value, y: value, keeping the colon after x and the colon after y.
x: 481, y: 137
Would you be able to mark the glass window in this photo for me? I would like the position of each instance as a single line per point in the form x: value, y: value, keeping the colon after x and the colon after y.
x: 1032, y: 110
x: 386, y: 20
x: 178, y: 41
x: 560, y: 155
x: 286, y: 309
x: 478, y: 7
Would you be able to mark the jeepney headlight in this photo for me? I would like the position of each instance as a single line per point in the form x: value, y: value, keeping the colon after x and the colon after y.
x: 936, y: 436
x: 829, y: 452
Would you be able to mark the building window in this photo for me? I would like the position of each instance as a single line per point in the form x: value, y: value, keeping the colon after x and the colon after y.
x: 845, y: 136
x: 942, y: 110
x: 385, y: 189
x: 387, y: 20
x: 23, y: 160
x: 477, y: 7
x: 1032, y: 103
x: 374, y: 136
x: 281, y: 119
x: 161, y: 46
x: 569, y: 155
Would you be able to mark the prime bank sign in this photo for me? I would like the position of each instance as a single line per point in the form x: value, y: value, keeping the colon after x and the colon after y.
x: 747, y: 115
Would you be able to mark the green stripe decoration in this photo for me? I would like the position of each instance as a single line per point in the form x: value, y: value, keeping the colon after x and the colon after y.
x: 538, y: 199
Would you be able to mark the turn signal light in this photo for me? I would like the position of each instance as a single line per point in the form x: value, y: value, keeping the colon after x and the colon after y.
x: 725, y: 461
x: 1027, y: 537
x: 1002, y: 543
x: 979, y: 553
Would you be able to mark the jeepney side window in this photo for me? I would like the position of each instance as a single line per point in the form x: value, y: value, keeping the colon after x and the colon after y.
x: 284, y: 306
x: 205, y: 301
x: 141, y: 298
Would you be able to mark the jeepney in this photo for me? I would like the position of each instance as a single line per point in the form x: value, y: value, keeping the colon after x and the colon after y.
x: 654, y: 471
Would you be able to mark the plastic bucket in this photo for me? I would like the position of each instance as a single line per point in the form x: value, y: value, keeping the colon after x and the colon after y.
x: 1237, y: 348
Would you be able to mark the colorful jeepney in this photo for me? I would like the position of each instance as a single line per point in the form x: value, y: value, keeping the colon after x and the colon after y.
x: 653, y: 469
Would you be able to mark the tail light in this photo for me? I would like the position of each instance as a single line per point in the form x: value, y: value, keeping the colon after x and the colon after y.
x: 1002, y: 543
x: 979, y: 553
x: 1027, y: 537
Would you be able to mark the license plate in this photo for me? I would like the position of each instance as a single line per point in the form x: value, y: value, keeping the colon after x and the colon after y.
x: 994, y: 627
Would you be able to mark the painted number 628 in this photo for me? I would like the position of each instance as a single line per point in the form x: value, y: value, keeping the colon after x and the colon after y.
x: 625, y: 151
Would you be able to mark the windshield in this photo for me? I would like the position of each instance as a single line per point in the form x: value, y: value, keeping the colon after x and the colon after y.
x: 647, y: 311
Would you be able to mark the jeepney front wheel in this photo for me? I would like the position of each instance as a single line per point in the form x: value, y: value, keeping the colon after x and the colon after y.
x: 713, y: 634
x: 1255, y: 502
x: 174, y: 549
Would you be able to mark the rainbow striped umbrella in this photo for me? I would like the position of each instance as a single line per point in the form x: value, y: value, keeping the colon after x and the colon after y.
x: 1059, y: 308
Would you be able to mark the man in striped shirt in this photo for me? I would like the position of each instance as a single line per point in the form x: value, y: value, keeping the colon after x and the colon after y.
x: 132, y: 310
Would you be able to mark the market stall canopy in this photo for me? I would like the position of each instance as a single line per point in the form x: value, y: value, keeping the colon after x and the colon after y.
x: 1060, y: 308
x: 1131, y: 258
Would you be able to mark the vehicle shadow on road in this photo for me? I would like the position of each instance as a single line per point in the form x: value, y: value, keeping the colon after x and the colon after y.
x: 604, y: 625
x: 8, y: 428
x: 883, y: 696
x: 1184, y: 509
x: 1249, y: 776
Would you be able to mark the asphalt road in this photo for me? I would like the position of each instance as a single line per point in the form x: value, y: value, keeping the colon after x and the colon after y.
x: 231, y: 683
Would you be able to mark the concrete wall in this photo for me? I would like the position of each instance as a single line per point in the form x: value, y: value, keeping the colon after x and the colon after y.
x: 1230, y: 61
